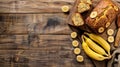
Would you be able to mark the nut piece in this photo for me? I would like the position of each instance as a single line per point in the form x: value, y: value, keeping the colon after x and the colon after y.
x: 116, y: 8
x: 110, y: 39
x: 80, y: 58
x: 73, y: 34
x: 77, y: 19
x: 82, y: 7
x: 101, y: 29
x: 110, y: 31
x: 75, y: 43
x: 77, y: 51
x: 93, y: 14
x: 107, y: 24
x: 65, y: 8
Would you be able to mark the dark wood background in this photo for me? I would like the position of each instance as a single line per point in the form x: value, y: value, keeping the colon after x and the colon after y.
x: 34, y: 33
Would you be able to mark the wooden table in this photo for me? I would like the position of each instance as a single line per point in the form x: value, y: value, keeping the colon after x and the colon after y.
x: 34, y: 33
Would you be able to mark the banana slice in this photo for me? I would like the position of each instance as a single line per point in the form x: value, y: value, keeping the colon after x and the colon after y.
x: 80, y: 58
x: 93, y: 14
x: 101, y: 29
x: 110, y: 31
x: 77, y: 51
x: 107, y: 24
x: 73, y: 34
x: 75, y: 43
x: 65, y: 8
x: 110, y: 39
x: 116, y: 8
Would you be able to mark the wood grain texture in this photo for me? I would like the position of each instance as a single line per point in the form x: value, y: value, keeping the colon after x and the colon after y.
x: 7, y: 6
x: 33, y: 41
x: 33, y: 6
x: 34, y: 23
x: 34, y: 33
x: 44, y: 50
x: 36, y: 6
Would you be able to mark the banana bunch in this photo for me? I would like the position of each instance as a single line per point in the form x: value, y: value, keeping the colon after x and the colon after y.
x: 93, y: 50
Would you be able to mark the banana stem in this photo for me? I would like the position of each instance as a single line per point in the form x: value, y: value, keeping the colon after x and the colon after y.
x: 108, y: 57
x: 86, y: 33
x: 82, y: 37
x: 85, y: 37
x: 108, y: 52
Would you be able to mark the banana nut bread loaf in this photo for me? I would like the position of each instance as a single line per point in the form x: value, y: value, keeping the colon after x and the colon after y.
x: 102, y: 16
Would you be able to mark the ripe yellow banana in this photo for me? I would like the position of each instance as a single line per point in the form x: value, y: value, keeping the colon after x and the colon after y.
x: 94, y: 46
x: 91, y: 53
x: 100, y: 41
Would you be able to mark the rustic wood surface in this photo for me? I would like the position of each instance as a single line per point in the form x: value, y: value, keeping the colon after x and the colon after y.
x: 34, y: 33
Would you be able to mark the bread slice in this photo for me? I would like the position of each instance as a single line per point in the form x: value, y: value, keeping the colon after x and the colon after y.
x: 75, y: 18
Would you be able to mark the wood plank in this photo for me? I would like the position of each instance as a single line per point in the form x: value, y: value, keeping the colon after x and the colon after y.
x: 33, y: 41
x: 33, y: 6
x: 34, y: 23
x: 45, y: 50
x: 13, y: 65
x: 36, y: 6
x: 7, y: 6
x: 44, y: 57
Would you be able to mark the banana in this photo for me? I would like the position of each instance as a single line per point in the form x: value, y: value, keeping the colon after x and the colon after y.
x: 91, y: 53
x: 100, y: 41
x: 94, y: 46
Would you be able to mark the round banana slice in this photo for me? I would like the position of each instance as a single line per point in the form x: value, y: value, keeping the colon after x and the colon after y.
x: 77, y: 51
x: 65, y: 8
x: 111, y: 39
x: 101, y: 29
x: 75, y: 43
x: 116, y: 8
x: 110, y: 31
x: 80, y: 58
x: 107, y: 24
x: 73, y: 34
x: 93, y: 14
